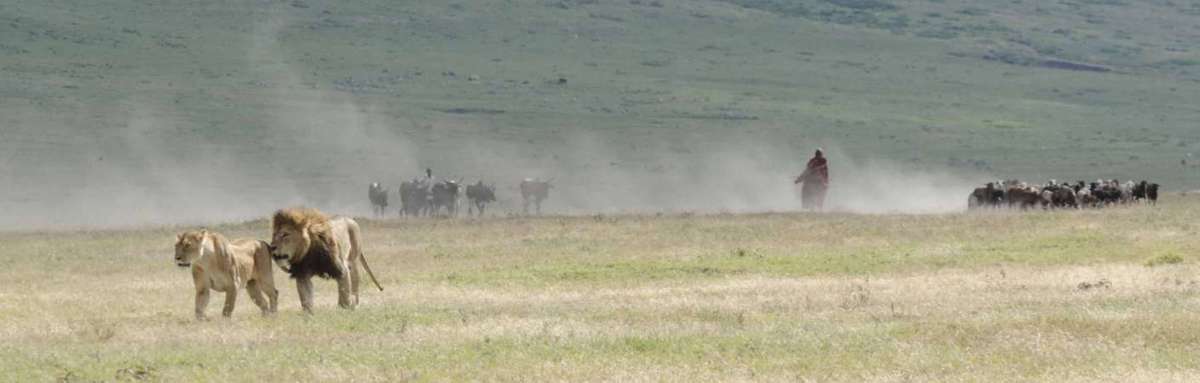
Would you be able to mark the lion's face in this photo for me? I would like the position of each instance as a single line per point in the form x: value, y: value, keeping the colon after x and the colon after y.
x: 288, y: 245
x: 187, y: 247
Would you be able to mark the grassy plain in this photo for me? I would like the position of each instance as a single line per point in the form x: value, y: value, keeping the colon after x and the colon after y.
x: 992, y: 296
x: 121, y: 112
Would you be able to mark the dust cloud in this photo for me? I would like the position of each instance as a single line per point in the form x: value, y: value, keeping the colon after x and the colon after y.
x: 148, y: 179
x: 307, y: 146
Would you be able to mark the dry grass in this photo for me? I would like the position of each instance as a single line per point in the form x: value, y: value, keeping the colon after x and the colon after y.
x: 972, y: 297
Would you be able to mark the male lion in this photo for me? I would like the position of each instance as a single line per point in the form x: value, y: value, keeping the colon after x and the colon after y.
x: 220, y: 265
x: 306, y: 243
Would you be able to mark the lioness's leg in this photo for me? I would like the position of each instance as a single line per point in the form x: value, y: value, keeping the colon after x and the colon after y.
x: 201, y: 302
x: 230, y: 301
x: 268, y: 286
x: 304, y: 287
x: 266, y: 279
x: 256, y: 294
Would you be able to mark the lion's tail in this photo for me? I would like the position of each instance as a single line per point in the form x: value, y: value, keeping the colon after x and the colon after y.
x: 363, y: 257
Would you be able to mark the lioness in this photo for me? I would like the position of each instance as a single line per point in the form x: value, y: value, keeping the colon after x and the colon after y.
x: 220, y: 265
x: 306, y: 243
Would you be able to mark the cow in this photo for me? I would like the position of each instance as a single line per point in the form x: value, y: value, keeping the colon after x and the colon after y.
x: 534, y: 191
x: 1127, y: 192
x: 379, y: 198
x: 479, y: 196
x: 1063, y: 196
x: 1152, y: 193
x: 1106, y: 192
x: 987, y: 196
x: 1139, y: 191
x: 414, y: 198
x: 444, y: 194
x: 1083, y: 195
x: 1023, y: 196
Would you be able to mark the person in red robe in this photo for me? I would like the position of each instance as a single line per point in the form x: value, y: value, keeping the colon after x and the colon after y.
x: 816, y: 182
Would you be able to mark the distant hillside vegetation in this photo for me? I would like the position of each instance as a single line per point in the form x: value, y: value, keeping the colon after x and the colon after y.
x: 316, y: 94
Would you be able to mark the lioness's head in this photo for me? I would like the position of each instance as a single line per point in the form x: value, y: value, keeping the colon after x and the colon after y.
x: 187, y: 247
x: 292, y: 234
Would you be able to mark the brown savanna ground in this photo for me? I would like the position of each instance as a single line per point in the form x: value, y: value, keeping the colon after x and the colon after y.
x: 995, y: 296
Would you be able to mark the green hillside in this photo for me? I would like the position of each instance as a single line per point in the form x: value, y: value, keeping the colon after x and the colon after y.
x: 127, y: 111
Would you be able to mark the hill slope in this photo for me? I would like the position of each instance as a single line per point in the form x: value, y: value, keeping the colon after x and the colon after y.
x: 131, y: 111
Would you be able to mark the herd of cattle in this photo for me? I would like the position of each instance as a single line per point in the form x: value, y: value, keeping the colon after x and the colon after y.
x: 1101, y: 193
x: 430, y: 197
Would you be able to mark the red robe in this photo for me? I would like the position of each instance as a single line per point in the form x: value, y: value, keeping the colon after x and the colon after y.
x: 817, y: 171
x: 816, y: 183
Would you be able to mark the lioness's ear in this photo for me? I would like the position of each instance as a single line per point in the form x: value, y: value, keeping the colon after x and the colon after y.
x: 204, y: 232
x: 178, y: 237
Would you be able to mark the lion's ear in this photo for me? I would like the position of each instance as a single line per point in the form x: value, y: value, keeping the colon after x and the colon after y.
x: 204, y: 232
x: 178, y: 237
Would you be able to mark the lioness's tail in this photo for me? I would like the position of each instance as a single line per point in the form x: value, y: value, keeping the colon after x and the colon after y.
x: 363, y: 257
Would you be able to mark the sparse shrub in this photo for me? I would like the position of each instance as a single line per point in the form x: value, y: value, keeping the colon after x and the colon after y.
x: 973, y: 11
x: 944, y: 33
x: 96, y: 330
x: 785, y: 8
x: 1164, y: 259
x: 859, y: 295
x: 743, y: 253
x: 1181, y: 62
x: 1103, y: 283
x: 865, y: 5
x: 896, y: 23
x: 1007, y: 57
x: 136, y: 374
x: 656, y: 63
x: 69, y: 376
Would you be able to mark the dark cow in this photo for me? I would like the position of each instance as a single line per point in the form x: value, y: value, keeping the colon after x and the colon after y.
x: 534, y: 191
x: 414, y: 198
x: 1106, y: 192
x: 480, y: 195
x: 444, y: 194
x: 1022, y: 197
x: 1083, y: 195
x: 1062, y: 196
x: 1152, y: 193
x: 987, y: 196
x: 379, y: 198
